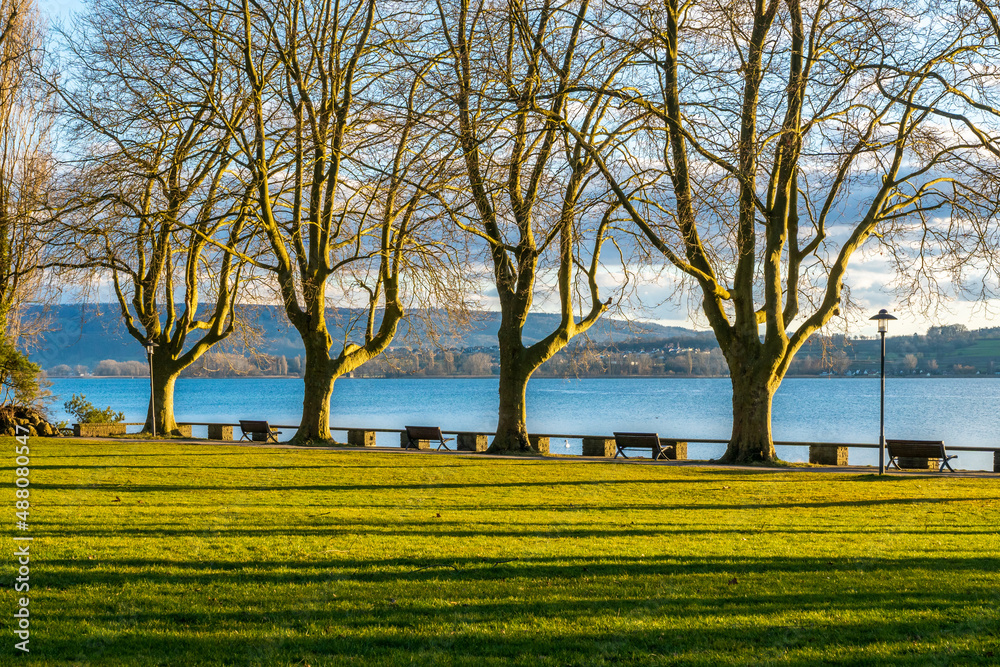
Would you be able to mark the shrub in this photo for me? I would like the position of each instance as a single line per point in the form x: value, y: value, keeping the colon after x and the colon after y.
x: 18, y: 377
x: 86, y: 413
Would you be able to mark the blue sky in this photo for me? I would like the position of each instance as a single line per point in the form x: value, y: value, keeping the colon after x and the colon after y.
x: 59, y: 8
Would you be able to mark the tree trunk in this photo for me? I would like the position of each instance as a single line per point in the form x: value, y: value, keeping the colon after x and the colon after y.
x: 164, y: 377
x: 751, y: 437
x: 318, y: 382
x: 512, y: 429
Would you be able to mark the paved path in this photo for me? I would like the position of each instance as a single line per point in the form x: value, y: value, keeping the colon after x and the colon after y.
x: 843, y: 470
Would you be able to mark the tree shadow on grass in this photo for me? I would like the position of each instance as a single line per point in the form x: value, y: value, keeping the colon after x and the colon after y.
x: 416, y: 569
x: 454, y: 530
x: 738, y: 503
x: 180, y: 466
x: 393, y: 486
x: 584, y: 610
x: 158, y: 455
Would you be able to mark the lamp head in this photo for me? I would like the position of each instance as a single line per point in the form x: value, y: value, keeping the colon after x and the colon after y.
x: 883, y: 318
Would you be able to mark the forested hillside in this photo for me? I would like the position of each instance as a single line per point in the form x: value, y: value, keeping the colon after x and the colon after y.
x: 91, y: 341
x: 87, y: 335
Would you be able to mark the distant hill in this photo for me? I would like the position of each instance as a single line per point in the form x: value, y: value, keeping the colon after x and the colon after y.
x: 87, y: 334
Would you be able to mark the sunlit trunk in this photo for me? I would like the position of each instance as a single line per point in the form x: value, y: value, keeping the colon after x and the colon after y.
x: 512, y: 430
x: 165, y: 376
x: 318, y: 382
x: 750, y: 442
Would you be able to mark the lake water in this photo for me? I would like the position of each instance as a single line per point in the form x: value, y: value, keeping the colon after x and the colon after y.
x: 958, y: 411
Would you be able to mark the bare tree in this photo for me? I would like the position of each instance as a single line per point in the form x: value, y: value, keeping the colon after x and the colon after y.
x: 794, y: 136
x: 535, y: 196
x: 342, y: 168
x: 153, y: 205
x: 25, y: 160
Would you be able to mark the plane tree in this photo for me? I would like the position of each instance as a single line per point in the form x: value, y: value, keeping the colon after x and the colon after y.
x: 152, y: 208
x: 795, y: 137
x: 342, y: 169
x: 532, y: 196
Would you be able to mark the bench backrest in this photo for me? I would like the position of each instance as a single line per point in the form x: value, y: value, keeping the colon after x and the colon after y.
x: 637, y: 439
x: 424, y: 433
x: 931, y: 449
x: 252, y: 426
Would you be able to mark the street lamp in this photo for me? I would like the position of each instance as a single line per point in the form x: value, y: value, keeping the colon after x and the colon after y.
x: 882, y: 318
x: 149, y: 345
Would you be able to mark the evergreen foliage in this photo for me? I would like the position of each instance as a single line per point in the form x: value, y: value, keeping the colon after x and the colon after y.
x: 19, y: 382
x: 86, y: 413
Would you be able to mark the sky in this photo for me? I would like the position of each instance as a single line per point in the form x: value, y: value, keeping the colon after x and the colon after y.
x: 867, y: 278
x: 56, y: 9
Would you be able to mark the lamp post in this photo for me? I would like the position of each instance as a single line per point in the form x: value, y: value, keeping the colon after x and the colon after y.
x: 149, y: 345
x: 882, y: 318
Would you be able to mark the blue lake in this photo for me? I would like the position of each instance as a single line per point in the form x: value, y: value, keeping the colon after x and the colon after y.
x: 958, y: 411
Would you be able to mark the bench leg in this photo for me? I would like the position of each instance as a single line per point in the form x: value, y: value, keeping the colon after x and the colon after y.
x: 621, y: 453
x: 406, y: 443
x: 944, y: 464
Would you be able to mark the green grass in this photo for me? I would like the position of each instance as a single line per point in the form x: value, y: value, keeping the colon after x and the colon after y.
x: 979, y: 354
x: 173, y: 554
x: 981, y: 348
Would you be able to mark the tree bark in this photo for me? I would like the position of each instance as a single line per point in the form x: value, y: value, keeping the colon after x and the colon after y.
x: 512, y: 430
x: 164, y: 378
x: 753, y: 391
x: 318, y: 379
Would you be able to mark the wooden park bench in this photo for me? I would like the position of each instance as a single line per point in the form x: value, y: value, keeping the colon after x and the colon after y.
x: 650, y: 441
x: 918, y: 449
x: 252, y: 428
x: 414, y: 434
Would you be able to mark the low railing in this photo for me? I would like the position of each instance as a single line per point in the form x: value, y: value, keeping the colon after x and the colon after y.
x: 830, y: 453
x: 578, y: 436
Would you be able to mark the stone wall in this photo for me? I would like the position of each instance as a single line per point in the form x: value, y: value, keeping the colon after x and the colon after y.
x: 539, y: 442
x: 473, y: 442
x: 827, y: 455
x: 360, y: 438
x: 599, y: 447
x: 98, y: 430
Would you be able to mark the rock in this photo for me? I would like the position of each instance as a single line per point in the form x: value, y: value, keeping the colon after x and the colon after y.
x: 32, y: 422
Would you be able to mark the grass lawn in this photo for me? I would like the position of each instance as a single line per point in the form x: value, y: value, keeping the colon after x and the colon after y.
x: 989, y: 348
x: 175, y: 554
